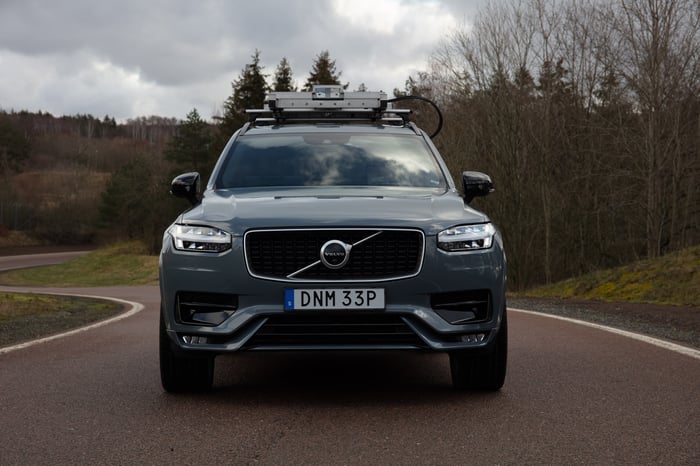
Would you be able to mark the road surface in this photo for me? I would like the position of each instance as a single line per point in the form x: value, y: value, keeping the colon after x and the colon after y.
x: 573, y: 395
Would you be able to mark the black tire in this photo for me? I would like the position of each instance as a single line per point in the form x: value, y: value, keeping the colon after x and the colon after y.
x: 181, y: 373
x: 478, y: 370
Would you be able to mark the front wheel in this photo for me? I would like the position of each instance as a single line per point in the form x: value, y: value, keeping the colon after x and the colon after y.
x: 476, y: 370
x: 181, y: 373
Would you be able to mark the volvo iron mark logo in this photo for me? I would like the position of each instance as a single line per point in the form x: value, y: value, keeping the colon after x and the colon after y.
x: 335, y: 254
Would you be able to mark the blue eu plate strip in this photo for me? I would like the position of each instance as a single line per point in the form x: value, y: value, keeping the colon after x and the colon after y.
x: 288, y: 300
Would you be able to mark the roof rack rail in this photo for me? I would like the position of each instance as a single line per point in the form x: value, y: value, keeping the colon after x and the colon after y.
x: 327, y: 103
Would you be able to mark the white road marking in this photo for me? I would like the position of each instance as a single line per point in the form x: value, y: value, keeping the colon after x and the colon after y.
x: 134, y: 308
x: 693, y: 353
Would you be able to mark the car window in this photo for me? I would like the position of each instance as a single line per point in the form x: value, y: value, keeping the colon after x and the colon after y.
x: 322, y: 159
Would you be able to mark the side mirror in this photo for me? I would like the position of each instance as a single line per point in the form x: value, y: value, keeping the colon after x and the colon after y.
x: 476, y: 184
x: 186, y: 186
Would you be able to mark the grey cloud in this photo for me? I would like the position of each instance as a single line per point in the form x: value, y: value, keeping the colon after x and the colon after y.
x: 168, y: 42
x: 181, y: 46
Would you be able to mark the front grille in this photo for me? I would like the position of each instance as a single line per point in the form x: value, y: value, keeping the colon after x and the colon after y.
x: 277, y: 254
x: 357, y: 329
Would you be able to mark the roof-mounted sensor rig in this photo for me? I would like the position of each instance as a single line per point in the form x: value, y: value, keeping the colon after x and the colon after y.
x: 330, y: 103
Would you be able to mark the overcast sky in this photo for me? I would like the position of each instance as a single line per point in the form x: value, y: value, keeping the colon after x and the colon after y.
x: 129, y: 58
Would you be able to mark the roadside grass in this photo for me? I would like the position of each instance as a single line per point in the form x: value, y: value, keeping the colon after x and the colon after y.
x: 123, y: 264
x: 673, y: 280
x: 28, y: 316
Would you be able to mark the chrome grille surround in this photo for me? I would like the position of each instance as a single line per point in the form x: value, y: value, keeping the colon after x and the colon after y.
x: 293, y: 254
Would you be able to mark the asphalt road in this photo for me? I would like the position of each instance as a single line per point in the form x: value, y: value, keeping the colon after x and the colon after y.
x: 573, y: 395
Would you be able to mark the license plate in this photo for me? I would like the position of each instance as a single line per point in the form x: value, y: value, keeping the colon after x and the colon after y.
x: 334, y: 298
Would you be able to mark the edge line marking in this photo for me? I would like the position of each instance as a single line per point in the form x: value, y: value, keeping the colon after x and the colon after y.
x: 134, y: 309
x: 676, y: 348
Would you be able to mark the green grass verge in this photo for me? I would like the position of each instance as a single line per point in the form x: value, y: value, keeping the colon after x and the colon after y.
x: 124, y: 264
x: 28, y: 316
x: 673, y: 279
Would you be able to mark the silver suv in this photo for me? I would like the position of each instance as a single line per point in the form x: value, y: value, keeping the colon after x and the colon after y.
x: 330, y: 222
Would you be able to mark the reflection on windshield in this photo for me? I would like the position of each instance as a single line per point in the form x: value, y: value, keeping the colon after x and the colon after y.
x: 330, y: 160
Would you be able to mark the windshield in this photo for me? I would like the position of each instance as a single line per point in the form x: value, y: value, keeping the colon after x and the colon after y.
x: 337, y: 159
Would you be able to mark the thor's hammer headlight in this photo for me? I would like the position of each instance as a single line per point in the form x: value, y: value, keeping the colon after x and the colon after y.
x: 196, y: 238
x: 466, y: 237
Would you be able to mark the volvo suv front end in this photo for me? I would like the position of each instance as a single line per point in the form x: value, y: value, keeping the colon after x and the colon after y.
x: 332, y: 230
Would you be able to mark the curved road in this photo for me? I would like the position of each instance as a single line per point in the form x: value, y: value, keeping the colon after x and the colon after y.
x: 573, y: 394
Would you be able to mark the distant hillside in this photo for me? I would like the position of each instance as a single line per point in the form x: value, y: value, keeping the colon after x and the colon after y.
x: 672, y: 279
x: 55, y: 171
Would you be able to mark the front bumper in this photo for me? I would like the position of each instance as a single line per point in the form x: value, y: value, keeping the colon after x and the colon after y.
x: 244, y: 313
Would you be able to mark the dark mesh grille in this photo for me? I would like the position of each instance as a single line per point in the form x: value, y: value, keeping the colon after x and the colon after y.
x: 391, y: 254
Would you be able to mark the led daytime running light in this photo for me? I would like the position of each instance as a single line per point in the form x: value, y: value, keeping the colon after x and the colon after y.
x: 198, y: 238
x: 466, y: 238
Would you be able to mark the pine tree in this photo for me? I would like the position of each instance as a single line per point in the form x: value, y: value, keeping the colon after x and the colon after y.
x: 283, y: 77
x: 190, y: 147
x: 248, y: 93
x: 125, y: 212
x: 323, y: 72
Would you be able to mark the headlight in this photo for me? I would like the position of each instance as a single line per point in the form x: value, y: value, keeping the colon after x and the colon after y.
x: 466, y: 238
x: 200, y: 239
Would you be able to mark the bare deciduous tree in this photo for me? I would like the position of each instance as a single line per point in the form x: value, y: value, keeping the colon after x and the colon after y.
x: 587, y: 116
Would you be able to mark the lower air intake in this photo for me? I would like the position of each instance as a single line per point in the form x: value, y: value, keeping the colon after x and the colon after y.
x: 331, y: 330
x: 461, y: 307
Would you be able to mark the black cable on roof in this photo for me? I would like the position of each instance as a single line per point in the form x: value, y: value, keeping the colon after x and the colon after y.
x: 434, y: 105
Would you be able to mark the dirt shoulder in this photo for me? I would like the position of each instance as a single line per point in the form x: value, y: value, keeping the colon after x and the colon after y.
x: 674, y: 323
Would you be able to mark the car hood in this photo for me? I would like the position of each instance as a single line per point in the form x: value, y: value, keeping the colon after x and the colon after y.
x: 239, y: 211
